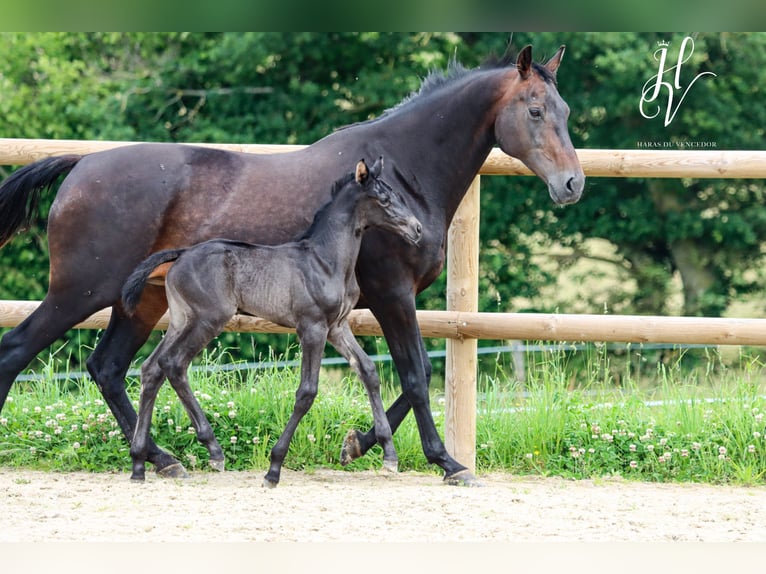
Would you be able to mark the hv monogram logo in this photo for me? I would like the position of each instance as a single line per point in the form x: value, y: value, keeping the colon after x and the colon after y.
x: 651, y: 101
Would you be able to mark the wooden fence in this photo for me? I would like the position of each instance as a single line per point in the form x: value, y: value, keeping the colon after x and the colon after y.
x: 461, y: 324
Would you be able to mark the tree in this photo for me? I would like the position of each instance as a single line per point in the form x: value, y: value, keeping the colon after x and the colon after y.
x: 710, y: 232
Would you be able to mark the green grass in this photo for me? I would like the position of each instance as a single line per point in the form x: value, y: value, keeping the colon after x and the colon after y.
x: 704, y: 424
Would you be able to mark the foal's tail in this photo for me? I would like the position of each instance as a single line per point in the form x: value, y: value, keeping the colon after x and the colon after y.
x: 134, y: 285
x: 20, y: 192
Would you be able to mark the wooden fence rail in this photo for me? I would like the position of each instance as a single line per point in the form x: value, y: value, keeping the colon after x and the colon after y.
x: 461, y: 325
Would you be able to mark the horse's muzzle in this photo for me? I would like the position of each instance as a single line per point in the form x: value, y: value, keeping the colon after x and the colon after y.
x: 568, y: 191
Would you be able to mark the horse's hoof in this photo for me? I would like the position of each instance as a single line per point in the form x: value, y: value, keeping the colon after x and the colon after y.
x: 217, y: 464
x: 138, y: 477
x: 351, y: 448
x: 269, y: 483
x: 176, y: 470
x: 462, y: 478
x: 391, y: 466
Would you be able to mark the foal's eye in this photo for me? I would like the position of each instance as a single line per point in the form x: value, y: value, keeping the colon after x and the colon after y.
x: 536, y: 113
x: 384, y: 199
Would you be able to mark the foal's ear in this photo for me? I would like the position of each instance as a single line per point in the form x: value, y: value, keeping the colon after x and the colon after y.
x: 524, y: 61
x: 377, y: 167
x: 553, y: 63
x: 362, y: 173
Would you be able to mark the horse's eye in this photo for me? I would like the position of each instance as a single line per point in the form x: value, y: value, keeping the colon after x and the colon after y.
x: 384, y: 199
x: 536, y: 113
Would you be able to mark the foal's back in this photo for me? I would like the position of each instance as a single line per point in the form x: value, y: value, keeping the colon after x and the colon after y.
x: 278, y: 283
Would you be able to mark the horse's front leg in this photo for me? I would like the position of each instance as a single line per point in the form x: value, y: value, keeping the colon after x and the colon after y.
x: 398, y: 321
x: 312, y: 340
x: 343, y: 340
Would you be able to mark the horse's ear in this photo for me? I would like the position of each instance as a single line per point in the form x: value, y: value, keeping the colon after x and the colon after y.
x: 361, y: 171
x: 553, y: 63
x: 524, y: 62
x: 377, y: 167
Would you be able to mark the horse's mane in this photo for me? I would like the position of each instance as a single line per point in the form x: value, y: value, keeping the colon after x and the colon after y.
x: 455, y: 71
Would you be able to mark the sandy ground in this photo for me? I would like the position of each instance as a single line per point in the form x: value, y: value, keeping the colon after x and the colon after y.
x: 335, y: 506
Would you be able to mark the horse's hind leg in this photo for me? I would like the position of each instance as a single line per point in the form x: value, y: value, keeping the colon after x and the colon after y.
x: 109, y: 363
x: 312, y: 341
x: 57, y: 313
x: 343, y: 340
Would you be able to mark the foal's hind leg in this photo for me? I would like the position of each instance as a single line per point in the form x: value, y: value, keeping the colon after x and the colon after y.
x: 152, y: 378
x: 346, y: 344
x: 174, y: 361
x: 109, y: 363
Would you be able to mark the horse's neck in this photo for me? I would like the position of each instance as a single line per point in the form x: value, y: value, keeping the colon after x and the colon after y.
x: 454, y: 129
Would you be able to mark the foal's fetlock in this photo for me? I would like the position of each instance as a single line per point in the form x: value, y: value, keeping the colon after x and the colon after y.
x: 139, y: 472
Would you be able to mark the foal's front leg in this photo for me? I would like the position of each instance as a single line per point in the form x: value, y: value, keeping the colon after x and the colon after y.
x: 346, y: 344
x: 312, y: 340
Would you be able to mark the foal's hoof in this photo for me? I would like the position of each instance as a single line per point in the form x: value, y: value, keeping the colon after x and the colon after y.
x: 217, y: 464
x: 351, y: 448
x: 462, y: 478
x: 176, y: 470
x: 269, y: 483
x: 391, y: 466
x: 138, y: 477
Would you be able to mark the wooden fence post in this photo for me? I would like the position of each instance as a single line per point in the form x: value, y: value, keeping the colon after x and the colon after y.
x: 462, y: 295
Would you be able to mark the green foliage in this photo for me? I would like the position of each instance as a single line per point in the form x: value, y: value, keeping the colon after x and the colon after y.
x: 287, y: 88
x: 702, y: 425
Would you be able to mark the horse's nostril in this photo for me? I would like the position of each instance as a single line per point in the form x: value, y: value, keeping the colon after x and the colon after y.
x: 574, y: 185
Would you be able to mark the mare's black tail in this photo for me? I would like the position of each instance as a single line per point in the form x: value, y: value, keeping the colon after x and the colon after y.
x: 20, y: 192
x: 134, y: 285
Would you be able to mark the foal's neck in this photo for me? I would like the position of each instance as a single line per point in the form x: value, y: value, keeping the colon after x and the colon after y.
x: 337, y: 234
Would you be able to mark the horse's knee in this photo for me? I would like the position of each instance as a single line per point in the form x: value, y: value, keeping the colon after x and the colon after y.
x: 416, y: 392
x: 304, y: 398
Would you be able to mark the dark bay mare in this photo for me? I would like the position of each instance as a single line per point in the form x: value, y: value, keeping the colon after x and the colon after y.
x: 116, y: 207
x: 309, y: 284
